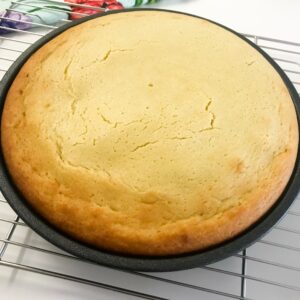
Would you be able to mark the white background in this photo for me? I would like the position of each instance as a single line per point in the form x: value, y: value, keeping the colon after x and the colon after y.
x: 272, y: 18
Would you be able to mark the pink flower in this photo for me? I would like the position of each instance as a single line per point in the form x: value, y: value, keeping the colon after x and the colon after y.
x: 108, y: 4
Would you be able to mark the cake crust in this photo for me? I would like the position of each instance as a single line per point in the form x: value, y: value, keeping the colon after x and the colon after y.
x: 140, y: 139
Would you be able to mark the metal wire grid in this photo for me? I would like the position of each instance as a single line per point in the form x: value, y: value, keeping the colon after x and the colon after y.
x: 287, y: 54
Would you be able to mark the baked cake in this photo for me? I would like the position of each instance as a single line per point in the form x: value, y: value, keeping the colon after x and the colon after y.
x: 149, y: 133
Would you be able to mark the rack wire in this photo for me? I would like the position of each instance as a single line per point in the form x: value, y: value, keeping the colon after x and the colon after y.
x: 268, y: 269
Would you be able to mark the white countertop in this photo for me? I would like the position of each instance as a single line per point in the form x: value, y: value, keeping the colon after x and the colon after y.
x: 271, y: 18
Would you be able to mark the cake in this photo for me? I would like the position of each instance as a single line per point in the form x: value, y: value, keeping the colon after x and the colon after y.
x: 149, y: 133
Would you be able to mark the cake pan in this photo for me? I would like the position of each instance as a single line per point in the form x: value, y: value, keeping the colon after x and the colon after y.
x: 140, y: 263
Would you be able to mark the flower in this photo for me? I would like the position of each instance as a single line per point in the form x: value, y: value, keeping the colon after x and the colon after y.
x: 79, y: 11
x: 15, y: 22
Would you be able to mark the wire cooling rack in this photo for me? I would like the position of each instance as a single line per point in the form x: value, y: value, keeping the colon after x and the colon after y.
x: 270, y: 269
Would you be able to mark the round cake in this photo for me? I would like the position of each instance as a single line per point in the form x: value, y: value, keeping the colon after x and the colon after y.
x: 149, y: 133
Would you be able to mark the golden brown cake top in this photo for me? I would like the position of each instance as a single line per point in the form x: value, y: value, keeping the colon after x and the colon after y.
x: 147, y: 132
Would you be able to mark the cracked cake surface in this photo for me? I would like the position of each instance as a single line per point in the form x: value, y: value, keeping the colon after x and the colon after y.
x: 151, y: 133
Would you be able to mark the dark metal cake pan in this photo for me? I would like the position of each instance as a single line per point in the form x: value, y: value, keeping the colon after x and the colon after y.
x: 159, y: 264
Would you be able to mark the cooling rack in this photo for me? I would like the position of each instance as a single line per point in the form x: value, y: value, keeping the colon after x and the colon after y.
x: 270, y: 269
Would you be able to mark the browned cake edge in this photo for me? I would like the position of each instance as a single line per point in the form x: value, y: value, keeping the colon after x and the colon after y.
x: 101, y: 227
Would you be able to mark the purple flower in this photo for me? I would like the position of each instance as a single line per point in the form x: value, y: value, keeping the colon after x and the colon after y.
x: 15, y: 21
